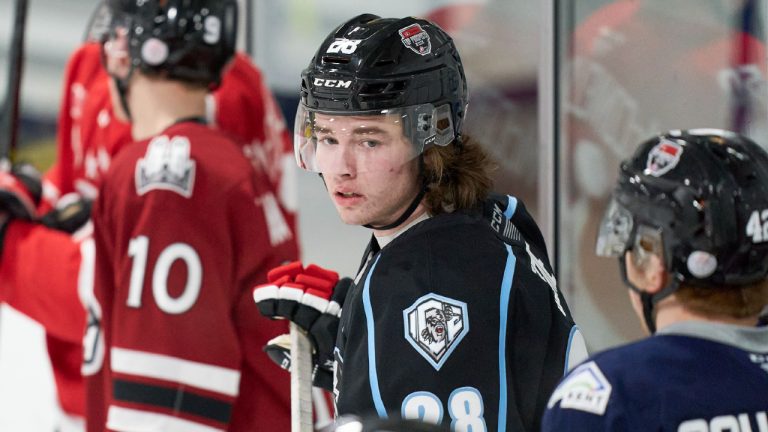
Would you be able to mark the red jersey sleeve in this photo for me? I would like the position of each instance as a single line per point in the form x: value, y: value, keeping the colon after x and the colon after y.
x: 88, y: 134
x: 245, y: 108
x: 267, y: 230
x: 82, y: 70
x: 97, y: 296
x: 38, y: 277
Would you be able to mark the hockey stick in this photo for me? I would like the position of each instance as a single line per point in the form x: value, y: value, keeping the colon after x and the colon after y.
x: 10, y: 109
x: 741, y: 103
x: 301, y: 381
x: 249, y: 48
x: 9, y: 113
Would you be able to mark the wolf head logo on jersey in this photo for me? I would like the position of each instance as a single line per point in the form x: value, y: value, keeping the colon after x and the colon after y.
x: 663, y: 158
x: 167, y: 165
x: 434, y: 326
x: 437, y: 321
x: 415, y: 38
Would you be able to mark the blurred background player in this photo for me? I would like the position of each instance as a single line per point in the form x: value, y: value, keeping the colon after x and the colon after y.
x: 707, y: 63
x: 687, y: 222
x: 90, y: 133
x: 382, y: 107
x: 183, y: 227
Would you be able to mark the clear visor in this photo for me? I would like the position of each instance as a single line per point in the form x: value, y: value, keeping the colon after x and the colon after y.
x: 334, y: 143
x: 99, y: 23
x: 615, y: 229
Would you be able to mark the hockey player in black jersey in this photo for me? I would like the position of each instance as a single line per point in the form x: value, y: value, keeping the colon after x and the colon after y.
x: 688, y: 222
x: 455, y: 316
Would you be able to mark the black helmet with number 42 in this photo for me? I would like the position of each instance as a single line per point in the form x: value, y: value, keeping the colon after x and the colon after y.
x: 407, y: 70
x: 699, y: 199
x: 188, y: 40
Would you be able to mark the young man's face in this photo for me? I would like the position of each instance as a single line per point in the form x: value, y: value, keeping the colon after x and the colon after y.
x: 368, y: 165
x: 117, y: 64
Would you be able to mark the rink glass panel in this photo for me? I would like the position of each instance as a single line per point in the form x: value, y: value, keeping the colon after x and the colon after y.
x: 628, y: 70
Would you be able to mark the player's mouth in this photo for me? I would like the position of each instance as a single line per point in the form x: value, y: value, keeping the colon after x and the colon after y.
x: 347, y: 197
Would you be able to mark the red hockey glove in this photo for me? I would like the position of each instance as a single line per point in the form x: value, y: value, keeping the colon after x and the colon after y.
x: 267, y: 296
x: 296, y: 293
x: 20, y: 191
x: 311, y: 298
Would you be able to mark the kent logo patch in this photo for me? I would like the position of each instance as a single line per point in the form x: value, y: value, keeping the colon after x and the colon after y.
x: 586, y: 389
x: 166, y: 165
x: 415, y: 38
x: 760, y: 359
x: 434, y: 326
x: 663, y: 157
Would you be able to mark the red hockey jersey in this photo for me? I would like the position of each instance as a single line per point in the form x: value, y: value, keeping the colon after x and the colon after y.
x: 89, y: 136
x: 183, y: 229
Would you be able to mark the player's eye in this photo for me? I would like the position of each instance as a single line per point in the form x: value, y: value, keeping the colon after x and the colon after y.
x: 327, y: 140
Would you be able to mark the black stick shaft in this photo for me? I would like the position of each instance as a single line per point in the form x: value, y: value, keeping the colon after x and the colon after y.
x: 10, y: 110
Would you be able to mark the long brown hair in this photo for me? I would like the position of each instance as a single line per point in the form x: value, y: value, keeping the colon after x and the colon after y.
x: 458, y: 176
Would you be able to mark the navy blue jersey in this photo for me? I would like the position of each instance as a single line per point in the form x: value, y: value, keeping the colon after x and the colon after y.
x: 458, y: 321
x: 691, y: 377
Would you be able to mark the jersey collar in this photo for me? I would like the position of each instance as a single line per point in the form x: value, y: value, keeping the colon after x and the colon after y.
x: 754, y: 339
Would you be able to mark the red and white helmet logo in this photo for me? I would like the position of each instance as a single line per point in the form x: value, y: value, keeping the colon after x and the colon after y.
x: 663, y: 157
x: 415, y: 38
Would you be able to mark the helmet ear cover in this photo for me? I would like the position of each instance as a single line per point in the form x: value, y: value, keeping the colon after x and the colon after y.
x: 648, y: 241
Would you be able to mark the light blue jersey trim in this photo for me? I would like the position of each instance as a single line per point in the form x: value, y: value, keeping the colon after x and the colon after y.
x: 506, y: 290
x: 511, y: 207
x: 574, y: 329
x: 373, y: 376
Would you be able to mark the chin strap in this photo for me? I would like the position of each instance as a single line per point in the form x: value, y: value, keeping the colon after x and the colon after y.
x: 192, y: 119
x: 122, y: 91
x: 406, y: 214
x: 647, y: 299
x: 411, y: 208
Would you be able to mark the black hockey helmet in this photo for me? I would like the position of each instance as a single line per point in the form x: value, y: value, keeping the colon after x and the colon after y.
x: 408, y: 68
x: 188, y: 40
x: 699, y: 199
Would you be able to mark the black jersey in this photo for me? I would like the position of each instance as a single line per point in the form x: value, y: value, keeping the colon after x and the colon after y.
x: 458, y: 321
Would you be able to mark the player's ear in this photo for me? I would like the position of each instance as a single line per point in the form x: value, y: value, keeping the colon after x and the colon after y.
x: 656, y: 274
x: 646, y: 271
